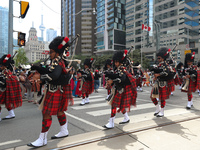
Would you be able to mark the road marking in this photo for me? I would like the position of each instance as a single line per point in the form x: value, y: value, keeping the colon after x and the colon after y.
x: 90, y: 105
x: 10, y: 142
x: 108, y: 111
x: 85, y: 121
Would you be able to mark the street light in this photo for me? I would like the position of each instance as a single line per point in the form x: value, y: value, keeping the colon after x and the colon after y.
x: 157, y: 27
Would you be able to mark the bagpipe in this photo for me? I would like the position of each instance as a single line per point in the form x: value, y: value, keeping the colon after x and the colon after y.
x: 193, y: 76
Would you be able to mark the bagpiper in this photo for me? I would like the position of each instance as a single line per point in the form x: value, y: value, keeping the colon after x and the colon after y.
x: 190, y: 78
x: 162, y: 88
x: 124, y: 91
x: 10, y: 91
x: 87, y: 82
x: 179, y: 69
x: 138, y: 75
x: 107, y: 69
x: 58, y: 93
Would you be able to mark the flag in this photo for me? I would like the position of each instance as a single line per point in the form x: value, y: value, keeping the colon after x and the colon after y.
x: 146, y: 28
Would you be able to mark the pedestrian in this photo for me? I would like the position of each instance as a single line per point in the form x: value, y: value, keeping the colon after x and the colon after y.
x: 162, y: 75
x: 179, y: 69
x: 10, y: 92
x: 138, y: 75
x: 58, y: 93
x: 96, y: 80
x: 87, y: 83
x: 190, y: 78
x: 124, y: 91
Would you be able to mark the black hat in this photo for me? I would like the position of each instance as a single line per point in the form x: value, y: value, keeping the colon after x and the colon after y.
x: 59, y: 44
x: 6, y: 60
x: 120, y: 56
x: 89, y: 62
x: 108, y: 62
x: 179, y: 65
x: 198, y: 65
x: 163, y: 52
x: 189, y: 57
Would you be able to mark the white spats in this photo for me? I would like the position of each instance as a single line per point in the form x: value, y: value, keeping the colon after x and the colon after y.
x: 110, y: 124
x: 126, y: 119
x: 41, y: 141
x: 157, y: 110
x: 87, y: 100
x: 83, y: 102
x: 10, y: 115
x: 63, y: 132
x: 161, y: 113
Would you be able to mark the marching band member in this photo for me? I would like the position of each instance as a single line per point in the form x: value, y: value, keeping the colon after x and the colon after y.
x: 58, y: 92
x: 190, y: 76
x: 161, y: 89
x: 138, y: 75
x: 124, y: 91
x: 10, y: 91
x: 108, y: 69
x: 87, y: 83
x: 179, y: 69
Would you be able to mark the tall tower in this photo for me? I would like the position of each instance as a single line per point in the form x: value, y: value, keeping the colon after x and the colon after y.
x: 42, y: 28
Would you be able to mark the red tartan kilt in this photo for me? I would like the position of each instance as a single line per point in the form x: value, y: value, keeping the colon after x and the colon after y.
x: 192, y: 87
x: 171, y: 85
x: 2, y: 97
x: 126, y: 99
x: 87, y: 87
x: 181, y: 81
x: 198, y: 79
x: 13, y: 92
x: 163, y: 93
x: 66, y: 97
x: 177, y: 80
x: 139, y: 81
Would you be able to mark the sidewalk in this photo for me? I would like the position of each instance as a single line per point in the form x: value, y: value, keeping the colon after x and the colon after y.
x: 180, y: 132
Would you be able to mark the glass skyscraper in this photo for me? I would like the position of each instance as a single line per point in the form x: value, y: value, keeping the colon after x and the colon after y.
x: 50, y: 34
x: 78, y: 18
x: 3, y: 31
x: 110, y: 30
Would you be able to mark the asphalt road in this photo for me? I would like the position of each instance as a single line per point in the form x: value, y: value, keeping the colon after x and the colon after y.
x: 27, y: 125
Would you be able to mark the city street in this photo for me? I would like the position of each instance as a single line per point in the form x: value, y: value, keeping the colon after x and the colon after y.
x: 27, y: 125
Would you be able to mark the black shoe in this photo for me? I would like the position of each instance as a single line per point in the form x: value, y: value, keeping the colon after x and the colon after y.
x: 124, y: 122
x: 107, y: 127
x: 31, y: 145
x: 160, y: 116
x: 8, y: 118
x: 188, y: 107
x: 55, y: 137
x: 155, y: 114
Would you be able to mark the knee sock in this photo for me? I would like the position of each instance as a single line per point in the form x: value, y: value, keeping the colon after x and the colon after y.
x: 46, y: 123
x: 154, y: 100
x: 190, y: 97
x: 109, y: 91
x: 83, y: 95
x: 113, y: 111
x: 163, y: 102
x: 8, y: 107
x: 62, y: 119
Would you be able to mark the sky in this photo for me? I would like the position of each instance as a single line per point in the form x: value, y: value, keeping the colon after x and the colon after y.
x: 51, y: 10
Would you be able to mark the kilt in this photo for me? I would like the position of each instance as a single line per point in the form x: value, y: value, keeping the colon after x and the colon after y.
x: 171, y: 85
x: 192, y: 87
x: 13, y: 92
x: 177, y: 80
x: 139, y: 82
x: 124, y: 100
x: 128, y: 97
x: 198, y: 79
x: 78, y: 92
x: 3, y: 96
x: 57, y: 101
x: 163, y: 93
x: 88, y: 86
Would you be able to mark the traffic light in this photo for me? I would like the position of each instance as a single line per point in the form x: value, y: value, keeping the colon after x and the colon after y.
x: 21, y: 39
x: 24, y: 8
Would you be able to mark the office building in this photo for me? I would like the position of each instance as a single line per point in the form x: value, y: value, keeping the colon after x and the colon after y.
x: 50, y: 34
x: 77, y: 17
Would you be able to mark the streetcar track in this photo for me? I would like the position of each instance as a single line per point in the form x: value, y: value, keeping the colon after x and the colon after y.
x: 125, y: 133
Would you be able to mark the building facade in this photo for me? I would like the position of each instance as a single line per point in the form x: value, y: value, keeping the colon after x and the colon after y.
x: 77, y: 18
x: 50, y: 34
x: 3, y: 31
x: 34, y: 49
x: 110, y: 29
x: 178, y: 21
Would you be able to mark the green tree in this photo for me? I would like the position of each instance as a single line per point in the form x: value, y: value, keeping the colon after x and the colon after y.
x: 136, y: 57
x: 20, y: 58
